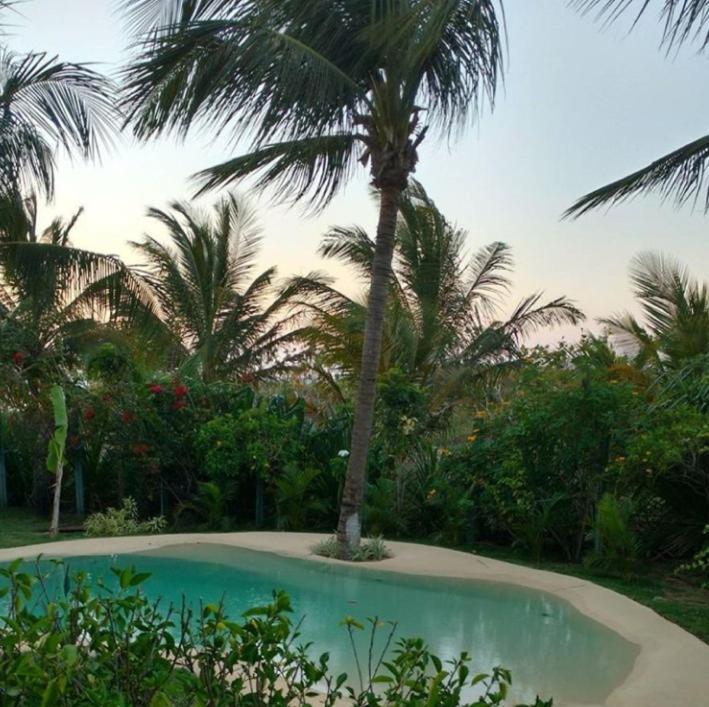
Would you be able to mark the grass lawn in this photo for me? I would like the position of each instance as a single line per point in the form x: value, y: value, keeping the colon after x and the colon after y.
x: 677, y: 600
x: 21, y: 527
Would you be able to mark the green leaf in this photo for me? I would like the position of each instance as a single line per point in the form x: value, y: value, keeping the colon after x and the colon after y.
x: 70, y: 654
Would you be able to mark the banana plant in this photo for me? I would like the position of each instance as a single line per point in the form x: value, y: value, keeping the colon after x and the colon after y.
x: 56, y: 454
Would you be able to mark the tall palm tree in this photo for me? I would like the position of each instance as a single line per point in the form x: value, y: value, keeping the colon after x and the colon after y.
x: 442, y: 320
x: 45, y: 105
x: 52, y: 293
x: 675, y: 310
x: 681, y: 173
x: 319, y: 86
x: 224, y: 321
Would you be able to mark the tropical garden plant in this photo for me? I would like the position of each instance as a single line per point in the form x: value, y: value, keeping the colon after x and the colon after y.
x: 675, y: 309
x: 442, y: 320
x: 221, y: 321
x: 53, y: 295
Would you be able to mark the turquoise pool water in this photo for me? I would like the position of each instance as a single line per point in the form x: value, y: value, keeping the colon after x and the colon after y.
x: 551, y: 648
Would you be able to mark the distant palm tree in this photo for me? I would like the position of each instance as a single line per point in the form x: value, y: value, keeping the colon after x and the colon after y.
x: 52, y: 293
x: 224, y: 321
x: 319, y: 86
x: 681, y: 174
x: 442, y: 309
x: 675, y: 311
x: 46, y: 104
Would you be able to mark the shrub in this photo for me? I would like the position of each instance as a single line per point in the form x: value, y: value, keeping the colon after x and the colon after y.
x: 122, y: 521
x: 699, y: 564
x: 117, y: 648
x: 616, y: 545
x: 208, y: 508
x: 371, y: 550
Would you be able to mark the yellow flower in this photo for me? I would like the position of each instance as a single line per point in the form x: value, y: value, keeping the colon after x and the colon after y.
x: 480, y: 413
x: 472, y: 438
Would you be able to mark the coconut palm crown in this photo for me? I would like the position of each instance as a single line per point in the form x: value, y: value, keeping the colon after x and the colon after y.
x: 47, y: 105
x: 443, y: 323
x: 674, y: 327
x: 53, y: 293
x: 223, y: 320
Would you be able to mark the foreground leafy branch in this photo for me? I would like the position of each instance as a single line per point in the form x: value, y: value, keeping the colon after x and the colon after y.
x: 77, y: 646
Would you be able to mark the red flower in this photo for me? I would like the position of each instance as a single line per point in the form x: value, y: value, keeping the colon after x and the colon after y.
x: 106, y: 397
x: 180, y: 390
x: 155, y: 388
x: 139, y: 449
x: 127, y: 416
x: 18, y: 358
x: 89, y: 414
x: 179, y: 404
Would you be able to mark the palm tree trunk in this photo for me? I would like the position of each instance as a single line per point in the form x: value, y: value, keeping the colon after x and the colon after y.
x: 349, y: 524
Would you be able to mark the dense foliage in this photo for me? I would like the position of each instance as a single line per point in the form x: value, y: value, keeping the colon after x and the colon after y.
x: 62, y: 643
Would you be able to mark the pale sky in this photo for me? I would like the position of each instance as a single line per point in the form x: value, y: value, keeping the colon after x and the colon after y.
x: 581, y: 106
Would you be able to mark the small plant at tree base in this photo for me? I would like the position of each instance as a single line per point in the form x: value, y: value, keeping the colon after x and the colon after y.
x: 370, y: 550
x: 122, y: 521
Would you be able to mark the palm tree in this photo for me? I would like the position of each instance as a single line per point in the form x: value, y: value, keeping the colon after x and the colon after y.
x: 319, y: 86
x: 46, y: 104
x: 224, y: 322
x: 442, y: 321
x: 52, y: 293
x: 681, y: 173
x: 54, y: 300
x: 675, y: 310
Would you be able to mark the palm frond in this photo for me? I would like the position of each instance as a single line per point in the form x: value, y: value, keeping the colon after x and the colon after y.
x: 46, y: 102
x: 487, y: 280
x: 683, y: 20
x: 632, y: 337
x: 351, y: 246
x: 316, y: 166
x: 675, y: 310
x: 458, y: 48
x: 680, y: 175
x: 531, y: 314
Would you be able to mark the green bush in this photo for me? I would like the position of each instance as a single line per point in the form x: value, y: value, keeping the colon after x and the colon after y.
x: 537, y: 464
x: 113, y: 649
x: 616, y: 544
x: 370, y: 550
x: 122, y: 521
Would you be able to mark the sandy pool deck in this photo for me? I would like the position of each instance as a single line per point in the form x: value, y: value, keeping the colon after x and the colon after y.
x: 672, y: 667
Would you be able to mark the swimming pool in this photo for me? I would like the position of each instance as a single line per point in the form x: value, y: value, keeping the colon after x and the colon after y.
x: 550, y: 647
